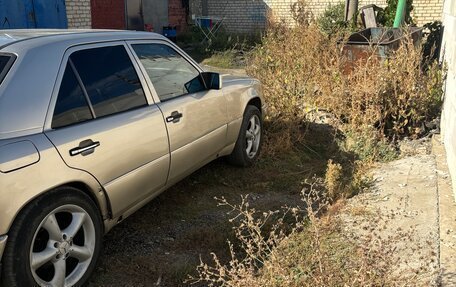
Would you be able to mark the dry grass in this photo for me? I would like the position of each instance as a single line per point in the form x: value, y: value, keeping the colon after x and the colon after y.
x: 303, y: 71
x: 333, y: 179
x: 315, y: 251
x: 372, y: 103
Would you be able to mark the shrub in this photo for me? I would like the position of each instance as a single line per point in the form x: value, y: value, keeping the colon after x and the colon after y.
x: 369, y: 146
x: 333, y: 179
x: 432, y: 32
x: 387, y: 16
x: 300, y: 12
x: 303, y: 70
x: 333, y: 19
x: 321, y: 250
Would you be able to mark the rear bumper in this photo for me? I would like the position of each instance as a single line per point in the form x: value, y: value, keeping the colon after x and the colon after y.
x: 3, y: 239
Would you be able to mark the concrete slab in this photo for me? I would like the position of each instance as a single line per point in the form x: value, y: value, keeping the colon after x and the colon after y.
x: 447, y: 216
x: 402, y: 211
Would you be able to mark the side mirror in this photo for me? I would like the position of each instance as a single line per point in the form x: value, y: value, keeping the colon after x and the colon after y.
x: 212, y: 81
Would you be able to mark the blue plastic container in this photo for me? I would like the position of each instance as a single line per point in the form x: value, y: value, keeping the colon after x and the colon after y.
x: 170, y: 32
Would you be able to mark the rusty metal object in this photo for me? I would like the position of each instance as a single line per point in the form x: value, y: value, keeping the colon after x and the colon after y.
x: 377, y: 44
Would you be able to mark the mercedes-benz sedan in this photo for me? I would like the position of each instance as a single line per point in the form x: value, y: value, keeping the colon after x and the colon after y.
x: 93, y: 125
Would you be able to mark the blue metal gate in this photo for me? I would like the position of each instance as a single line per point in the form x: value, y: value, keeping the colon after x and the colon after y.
x: 16, y: 14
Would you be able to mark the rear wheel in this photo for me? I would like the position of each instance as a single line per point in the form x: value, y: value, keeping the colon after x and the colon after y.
x: 248, y: 144
x: 55, y: 241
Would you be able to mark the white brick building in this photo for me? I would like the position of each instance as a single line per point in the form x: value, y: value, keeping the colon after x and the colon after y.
x: 247, y: 16
x: 78, y: 14
x: 449, y: 108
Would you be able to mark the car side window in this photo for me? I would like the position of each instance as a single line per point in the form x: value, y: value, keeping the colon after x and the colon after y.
x: 72, y: 106
x: 102, y: 79
x: 170, y: 73
x: 5, y: 63
x: 110, y: 79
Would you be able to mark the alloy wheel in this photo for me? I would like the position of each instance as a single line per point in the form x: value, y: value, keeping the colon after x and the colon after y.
x: 253, y: 136
x: 62, y: 247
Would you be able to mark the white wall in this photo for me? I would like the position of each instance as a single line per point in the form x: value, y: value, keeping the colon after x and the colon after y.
x: 78, y: 14
x: 449, y: 108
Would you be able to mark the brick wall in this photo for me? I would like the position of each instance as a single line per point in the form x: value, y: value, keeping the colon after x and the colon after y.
x: 108, y: 14
x: 241, y: 16
x: 426, y: 11
x: 281, y: 8
x: 246, y: 16
x: 78, y: 14
x: 177, y: 16
x: 196, y: 7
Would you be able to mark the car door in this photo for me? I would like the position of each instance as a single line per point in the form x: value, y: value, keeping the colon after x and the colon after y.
x: 195, y: 118
x: 102, y: 121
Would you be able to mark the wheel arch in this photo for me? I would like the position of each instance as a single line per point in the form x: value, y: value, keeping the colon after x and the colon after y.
x: 256, y: 102
x: 102, y: 204
x: 98, y: 197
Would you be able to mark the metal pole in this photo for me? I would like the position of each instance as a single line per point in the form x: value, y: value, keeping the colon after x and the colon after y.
x: 351, y: 9
x: 400, y: 13
x: 347, y: 3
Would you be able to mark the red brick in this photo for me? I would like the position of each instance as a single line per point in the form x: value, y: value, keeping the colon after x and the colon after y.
x: 108, y: 14
x: 177, y: 14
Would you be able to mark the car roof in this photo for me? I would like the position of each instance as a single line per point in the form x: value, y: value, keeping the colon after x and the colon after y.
x: 26, y: 89
x: 9, y: 37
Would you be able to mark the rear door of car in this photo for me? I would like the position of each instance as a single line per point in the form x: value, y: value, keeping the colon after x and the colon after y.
x: 196, y: 118
x: 104, y: 122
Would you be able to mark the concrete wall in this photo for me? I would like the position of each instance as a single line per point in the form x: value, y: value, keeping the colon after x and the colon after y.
x: 449, y: 108
x: 156, y: 13
x: 78, y: 14
x: 244, y: 16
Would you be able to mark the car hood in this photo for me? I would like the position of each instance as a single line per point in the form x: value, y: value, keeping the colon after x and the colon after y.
x: 229, y: 79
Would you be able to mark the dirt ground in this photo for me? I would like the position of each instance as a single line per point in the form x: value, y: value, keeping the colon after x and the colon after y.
x: 162, y: 243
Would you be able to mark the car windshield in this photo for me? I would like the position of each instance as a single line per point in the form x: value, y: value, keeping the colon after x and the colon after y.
x: 4, y: 65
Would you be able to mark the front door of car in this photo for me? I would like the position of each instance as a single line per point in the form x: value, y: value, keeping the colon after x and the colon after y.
x: 195, y: 117
x: 105, y: 123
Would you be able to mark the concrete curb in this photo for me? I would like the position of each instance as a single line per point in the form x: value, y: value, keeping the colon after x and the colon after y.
x: 447, y: 216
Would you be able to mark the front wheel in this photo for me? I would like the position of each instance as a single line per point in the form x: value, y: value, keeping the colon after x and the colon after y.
x: 55, y: 241
x: 248, y: 144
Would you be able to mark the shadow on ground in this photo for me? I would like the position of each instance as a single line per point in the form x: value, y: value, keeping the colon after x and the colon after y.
x: 162, y: 243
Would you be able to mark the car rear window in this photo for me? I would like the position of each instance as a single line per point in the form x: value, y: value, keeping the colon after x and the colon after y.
x: 97, y: 82
x: 110, y: 79
x: 72, y: 106
x: 5, y: 63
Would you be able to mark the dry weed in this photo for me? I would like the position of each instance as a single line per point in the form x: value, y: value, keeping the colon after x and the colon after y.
x: 320, y: 250
x: 333, y: 179
x: 304, y: 70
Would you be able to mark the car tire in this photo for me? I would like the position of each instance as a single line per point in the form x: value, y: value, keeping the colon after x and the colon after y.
x: 55, y: 240
x: 248, y: 145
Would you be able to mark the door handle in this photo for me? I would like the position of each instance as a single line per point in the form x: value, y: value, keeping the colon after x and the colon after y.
x: 85, y: 148
x: 174, y: 117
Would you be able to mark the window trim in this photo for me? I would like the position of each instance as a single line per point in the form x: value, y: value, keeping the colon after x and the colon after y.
x: 59, y: 78
x: 9, y: 64
x: 83, y: 88
x: 178, y: 50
